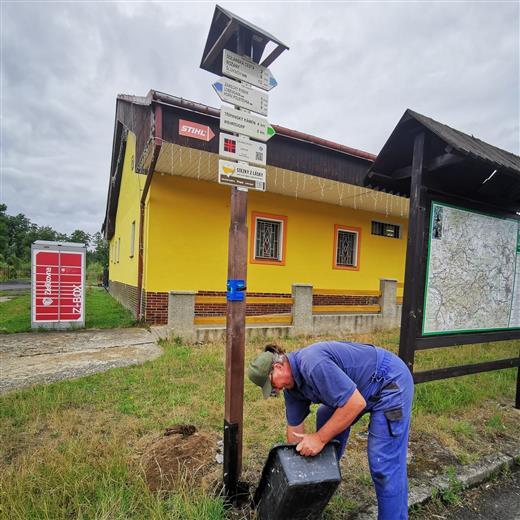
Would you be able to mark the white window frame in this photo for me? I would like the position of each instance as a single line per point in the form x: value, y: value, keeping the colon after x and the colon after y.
x: 280, y: 240
x: 356, y: 249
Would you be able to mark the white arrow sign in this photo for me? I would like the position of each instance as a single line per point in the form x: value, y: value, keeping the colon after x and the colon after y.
x: 241, y: 174
x: 244, y: 123
x: 242, y: 95
x: 245, y: 69
x: 242, y: 149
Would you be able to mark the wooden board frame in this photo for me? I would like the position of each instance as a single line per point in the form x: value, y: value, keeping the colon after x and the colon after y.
x: 411, y: 338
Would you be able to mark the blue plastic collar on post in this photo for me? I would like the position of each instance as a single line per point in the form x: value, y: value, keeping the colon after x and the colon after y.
x: 236, y: 290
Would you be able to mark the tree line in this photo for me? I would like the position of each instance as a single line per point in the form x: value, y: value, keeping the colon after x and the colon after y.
x: 17, y: 233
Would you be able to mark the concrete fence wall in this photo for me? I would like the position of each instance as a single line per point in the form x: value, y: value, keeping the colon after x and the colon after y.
x: 181, y: 315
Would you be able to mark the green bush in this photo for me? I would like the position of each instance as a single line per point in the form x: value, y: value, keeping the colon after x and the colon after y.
x: 94, y: 273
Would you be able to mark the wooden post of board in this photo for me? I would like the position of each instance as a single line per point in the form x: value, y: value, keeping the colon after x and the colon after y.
x: 517, y: 400
x: 411, y: 314
x: 235, y: 336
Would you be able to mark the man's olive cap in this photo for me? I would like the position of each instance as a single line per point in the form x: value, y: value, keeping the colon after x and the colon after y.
x: 259, y: 370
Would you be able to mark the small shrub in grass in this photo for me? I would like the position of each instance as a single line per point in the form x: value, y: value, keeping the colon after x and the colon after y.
x: 365, y: 479
x: 467, y: 458
x: 464, y: 428
x: 495, y: 423
x: 452, y: 494
x: 339, y: 506
x: 416, y: 511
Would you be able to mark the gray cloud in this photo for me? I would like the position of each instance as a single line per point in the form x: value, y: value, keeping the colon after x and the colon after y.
x: 352, y: 70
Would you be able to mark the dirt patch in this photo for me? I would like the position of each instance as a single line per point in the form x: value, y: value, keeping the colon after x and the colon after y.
x: 427, y: 456
x: 181, y: 455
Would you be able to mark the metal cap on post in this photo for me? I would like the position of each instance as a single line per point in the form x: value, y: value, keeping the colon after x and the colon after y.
x: 234, y: 48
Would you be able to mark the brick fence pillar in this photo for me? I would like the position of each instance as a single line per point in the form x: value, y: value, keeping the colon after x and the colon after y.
x: 302, y: 309
x: 181, y: 314
x: 388, y: 303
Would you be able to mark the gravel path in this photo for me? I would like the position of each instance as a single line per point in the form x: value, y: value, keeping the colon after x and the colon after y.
x: 30, y: 358
x: 15, y: 285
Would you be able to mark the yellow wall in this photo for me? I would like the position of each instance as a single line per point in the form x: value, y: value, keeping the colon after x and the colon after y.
x: 124, y: 268
x: 188, y: 239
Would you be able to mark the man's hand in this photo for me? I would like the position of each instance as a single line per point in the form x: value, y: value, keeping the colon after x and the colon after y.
x: 310, y: 445
x: 293, y: 430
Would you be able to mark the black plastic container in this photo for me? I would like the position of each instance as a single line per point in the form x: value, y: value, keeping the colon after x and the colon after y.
x: 294, y: 487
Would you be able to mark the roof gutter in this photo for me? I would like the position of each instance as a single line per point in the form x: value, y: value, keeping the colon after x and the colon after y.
x: 157, y: 138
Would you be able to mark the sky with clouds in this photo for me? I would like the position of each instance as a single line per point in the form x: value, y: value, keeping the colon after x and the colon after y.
x: 352, y: 70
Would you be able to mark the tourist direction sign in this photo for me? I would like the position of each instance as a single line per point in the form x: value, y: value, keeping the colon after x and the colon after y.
x: 242, y: 148
x: 241, y: 174
x: 233, y: 120
x: 245, y: 69
x: 242, y: 95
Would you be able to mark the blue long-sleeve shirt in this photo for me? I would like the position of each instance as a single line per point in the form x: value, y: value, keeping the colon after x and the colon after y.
x: 328, y: 373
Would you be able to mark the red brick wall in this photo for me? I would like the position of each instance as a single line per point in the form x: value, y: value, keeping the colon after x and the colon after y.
x: 338, y: 299
x: 156, y: 304
x: 252, y: 309
x: 156, y: 308
x: 125, y: 294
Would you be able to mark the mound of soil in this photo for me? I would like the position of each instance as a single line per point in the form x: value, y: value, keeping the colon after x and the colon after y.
x: 181, y: 455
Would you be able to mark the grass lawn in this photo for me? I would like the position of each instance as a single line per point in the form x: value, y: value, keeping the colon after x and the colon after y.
x: 102, y: 312
x: 70, y: 449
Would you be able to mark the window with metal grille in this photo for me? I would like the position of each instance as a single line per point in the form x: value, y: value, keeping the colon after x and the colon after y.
x: 346, y: 252
x: 386, y: 230
x: 268, y: 239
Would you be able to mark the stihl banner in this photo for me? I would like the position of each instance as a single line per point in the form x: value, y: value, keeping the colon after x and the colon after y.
x: 195, y: 130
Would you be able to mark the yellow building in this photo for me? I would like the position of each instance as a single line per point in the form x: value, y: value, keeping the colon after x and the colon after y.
x: 167, y: 218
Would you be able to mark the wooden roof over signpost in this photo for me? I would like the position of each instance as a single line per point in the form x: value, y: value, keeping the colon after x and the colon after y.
x: 223, y: 35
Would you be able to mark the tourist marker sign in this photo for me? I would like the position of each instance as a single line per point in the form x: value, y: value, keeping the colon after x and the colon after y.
x: 244, y: 69
x: 242, y: 95
x: 241, y: 174
x: 233, y: 120
x: 242, y: 148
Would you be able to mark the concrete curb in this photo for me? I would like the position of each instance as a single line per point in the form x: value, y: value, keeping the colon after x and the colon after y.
x: 467, y: 476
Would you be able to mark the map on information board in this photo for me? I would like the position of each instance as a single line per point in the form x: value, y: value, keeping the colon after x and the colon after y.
x: 473, y: 272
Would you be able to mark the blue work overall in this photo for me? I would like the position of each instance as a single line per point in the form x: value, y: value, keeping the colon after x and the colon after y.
x: 389, y: 403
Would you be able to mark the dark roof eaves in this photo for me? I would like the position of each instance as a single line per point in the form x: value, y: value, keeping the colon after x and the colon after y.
x: 280, y: 130
x: 449, y: 135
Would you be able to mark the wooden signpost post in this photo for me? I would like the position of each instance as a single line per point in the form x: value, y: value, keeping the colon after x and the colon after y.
x: 245, y: 124
x: 241, y: 74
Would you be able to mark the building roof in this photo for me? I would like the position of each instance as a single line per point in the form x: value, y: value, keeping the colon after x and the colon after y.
x: 470, y: 145
x: 310, y: 167
x: 454, y: 163
x: 206, y: 109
